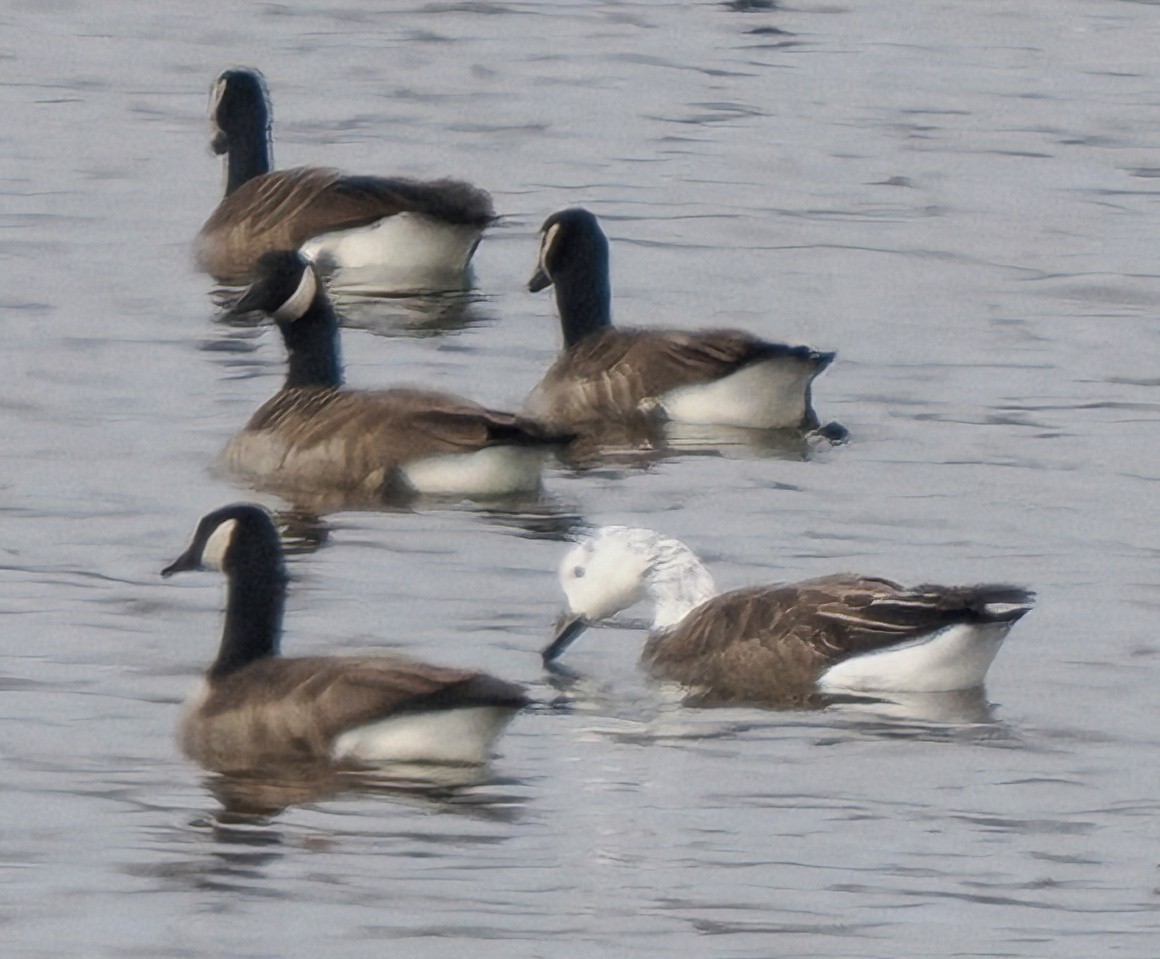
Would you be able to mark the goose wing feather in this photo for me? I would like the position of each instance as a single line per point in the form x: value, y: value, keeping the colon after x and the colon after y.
x: 616, y: 371
x: 770, y: 643
x: 278, y: 709
x: 284, y: 209
x: 357, y: 439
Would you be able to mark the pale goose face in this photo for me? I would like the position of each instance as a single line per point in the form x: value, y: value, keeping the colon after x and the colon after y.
x: 602, y: 575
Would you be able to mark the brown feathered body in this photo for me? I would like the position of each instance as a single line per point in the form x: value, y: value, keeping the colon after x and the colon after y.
x: 361, y: 442
x: 275, y: 711
x: 772, y: 644
x: 625, y: 373
x: 286, y: 208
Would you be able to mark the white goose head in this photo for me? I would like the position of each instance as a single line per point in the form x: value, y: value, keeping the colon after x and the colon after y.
x: 616, y: 567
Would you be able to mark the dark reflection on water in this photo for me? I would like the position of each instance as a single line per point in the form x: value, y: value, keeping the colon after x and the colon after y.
x: 413, y: 316
x: 387, y: 315
x: 469, y: 790
x: 661, y: 712
x: 640, y: 443
x: 301, y: 531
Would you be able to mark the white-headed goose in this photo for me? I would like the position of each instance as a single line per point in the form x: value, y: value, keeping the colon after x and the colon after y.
x: 785, y: 645
x: 257, y: 710
x: 316, y: 438
x: 715, y: 377
x: 387, y: 234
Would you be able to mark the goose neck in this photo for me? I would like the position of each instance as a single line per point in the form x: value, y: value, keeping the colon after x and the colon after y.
x: 253, y: 622
x: 677, y: 586
x: 584, y: 302
x: 312, y: 344
x: 248, y: 157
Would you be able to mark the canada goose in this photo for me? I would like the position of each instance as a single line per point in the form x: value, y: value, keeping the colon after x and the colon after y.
x: 255, y: 709
x: 389, y: 234
x: 315, y: 437
x: 784, y: 644
x: 717, y: 377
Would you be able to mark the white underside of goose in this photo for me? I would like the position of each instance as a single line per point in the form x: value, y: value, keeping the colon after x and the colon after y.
x: 951, y: 659
x: 404, y: 253
x: 494, y: 471
x: 458, y: 736
x: 770, y: 394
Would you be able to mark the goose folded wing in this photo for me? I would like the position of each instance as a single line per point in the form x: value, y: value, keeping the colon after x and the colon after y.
x: 616, y: 370
x: 280, y: 709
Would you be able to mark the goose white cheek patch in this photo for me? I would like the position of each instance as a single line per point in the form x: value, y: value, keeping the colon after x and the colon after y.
x: 215, y: 98
x: 213, y: 554
x: 300, y: 300
x: 546, y: 246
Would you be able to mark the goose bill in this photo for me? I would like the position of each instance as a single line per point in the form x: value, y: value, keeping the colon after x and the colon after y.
x: 539, y: 281
x: 189, y: 560
x: 568, y: 628
x: 251, y: 300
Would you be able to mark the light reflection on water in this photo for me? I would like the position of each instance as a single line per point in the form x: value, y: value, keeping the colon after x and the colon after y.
x: 956, y: 199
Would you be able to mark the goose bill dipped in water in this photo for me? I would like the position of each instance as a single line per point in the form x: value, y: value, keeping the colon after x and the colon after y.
x: 710, y: 377
x: 784, y: 645
x: 315, y: 437
x: 255, y: 709
x: 378, y: 234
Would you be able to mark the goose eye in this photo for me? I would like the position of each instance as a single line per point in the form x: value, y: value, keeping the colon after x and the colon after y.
x: 578, y: 572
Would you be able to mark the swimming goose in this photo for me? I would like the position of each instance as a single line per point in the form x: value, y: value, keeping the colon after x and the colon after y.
x: 315, y: 437
x: 389, y: 234
x: 255, y: 709
x: 717, y: 377
x: 785, y: 644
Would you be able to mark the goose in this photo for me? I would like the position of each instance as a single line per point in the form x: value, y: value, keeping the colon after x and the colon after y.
x: 256, y: 710
x: 784, y: 645
x: 708, y: 377
x: 390, y: 234
x: 316, y: 437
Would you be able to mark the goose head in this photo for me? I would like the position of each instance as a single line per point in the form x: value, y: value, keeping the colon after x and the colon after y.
x: 574, y: 259
x: 238, y: 106
x: 232, y: 540
x: 571, y: 243
x: 285, y: 287
x: 616, y: 567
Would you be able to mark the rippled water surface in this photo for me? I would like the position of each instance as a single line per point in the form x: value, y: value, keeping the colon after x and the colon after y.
x: 959, y: 198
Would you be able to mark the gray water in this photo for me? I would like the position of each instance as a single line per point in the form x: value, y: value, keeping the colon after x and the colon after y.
x: 959, y: 198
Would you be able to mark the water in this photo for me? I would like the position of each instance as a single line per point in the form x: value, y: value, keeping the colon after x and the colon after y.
x: 959, y: 198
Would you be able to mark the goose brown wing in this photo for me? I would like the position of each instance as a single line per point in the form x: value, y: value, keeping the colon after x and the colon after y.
x: 278, y: 709
x: 769, y: 643
x: 612, y: 372
x: 406, y: 422
x: 284, y: 209
x: 352, y: 439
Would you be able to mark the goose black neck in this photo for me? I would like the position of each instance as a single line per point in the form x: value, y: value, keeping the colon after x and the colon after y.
x: 253, y: 628
x: 584, y: 300
x: 248, y: 157
x: 312, y: 342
